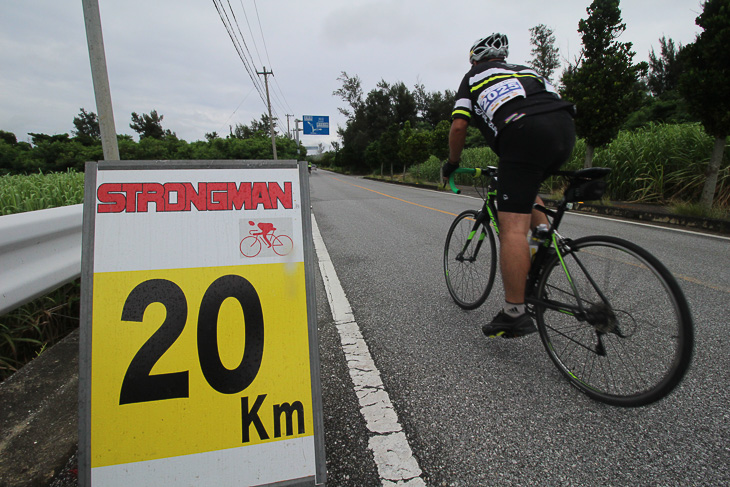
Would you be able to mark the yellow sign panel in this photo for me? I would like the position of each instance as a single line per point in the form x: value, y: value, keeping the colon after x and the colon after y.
x: 210, y: 357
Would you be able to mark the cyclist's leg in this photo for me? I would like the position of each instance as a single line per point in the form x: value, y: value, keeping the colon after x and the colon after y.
x: 514, y: 254
x: 520, y: 173
x: 518, y: 184
x: 538, y: 217
x: 529, y: 149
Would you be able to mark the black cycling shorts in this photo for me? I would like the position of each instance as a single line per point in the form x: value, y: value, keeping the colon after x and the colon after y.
x: 530, y: 148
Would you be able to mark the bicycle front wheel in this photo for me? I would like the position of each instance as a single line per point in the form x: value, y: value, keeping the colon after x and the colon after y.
x: 470, y: 260
x: 282, y: 244
x: 250, y: 246
x: 614, y: 321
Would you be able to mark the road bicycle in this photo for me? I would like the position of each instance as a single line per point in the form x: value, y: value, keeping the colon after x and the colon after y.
x: 610, y: 315
x: 251, y: 246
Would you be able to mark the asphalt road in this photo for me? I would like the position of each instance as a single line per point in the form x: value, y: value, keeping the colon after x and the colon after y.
x: 496, y: 412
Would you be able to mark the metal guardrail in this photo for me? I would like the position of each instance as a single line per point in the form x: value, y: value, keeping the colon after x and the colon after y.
x: 39, y: 252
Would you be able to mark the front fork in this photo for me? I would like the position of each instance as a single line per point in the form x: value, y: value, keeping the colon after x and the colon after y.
x: 481, y: 219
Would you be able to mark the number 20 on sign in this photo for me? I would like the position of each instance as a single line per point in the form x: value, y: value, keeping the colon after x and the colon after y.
x: 200, y: 370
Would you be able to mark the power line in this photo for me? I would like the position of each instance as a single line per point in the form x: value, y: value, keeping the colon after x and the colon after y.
x: 247, y: 58
x: 248, y: 65
x: 262, y: 31
x: 263, y: 39
x: 253, y: 38
x: 234, y: 111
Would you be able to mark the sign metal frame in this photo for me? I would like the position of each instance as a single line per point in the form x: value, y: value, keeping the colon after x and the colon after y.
x: 250, y: 169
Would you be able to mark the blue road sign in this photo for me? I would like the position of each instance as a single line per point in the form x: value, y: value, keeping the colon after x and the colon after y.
x: 316, y: 125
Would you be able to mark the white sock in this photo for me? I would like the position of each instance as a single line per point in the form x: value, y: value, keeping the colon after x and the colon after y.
x: 513, y: 310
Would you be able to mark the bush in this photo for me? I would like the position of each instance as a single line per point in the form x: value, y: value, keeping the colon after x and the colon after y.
x: 660, y: 163
x: 27, y: 331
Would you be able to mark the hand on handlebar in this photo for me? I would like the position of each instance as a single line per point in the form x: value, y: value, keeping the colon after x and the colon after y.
x: 448, y: 168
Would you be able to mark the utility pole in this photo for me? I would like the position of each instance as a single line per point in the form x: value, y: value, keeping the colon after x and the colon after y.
x: 268, y: 102
x: 99, y: 75
x: 288, y: 132
x: 297, y: 129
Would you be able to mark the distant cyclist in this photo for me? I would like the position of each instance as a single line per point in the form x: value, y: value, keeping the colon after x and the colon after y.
x: 531, y: 130
x: 266, y: 229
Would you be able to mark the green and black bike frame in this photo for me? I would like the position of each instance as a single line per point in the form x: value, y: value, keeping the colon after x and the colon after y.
x: 486, y: 216
x: 562, y: 246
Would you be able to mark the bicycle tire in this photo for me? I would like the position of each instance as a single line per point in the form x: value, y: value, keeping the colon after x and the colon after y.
x: 643, y: 321
x: 282, y: 244
x: 250, y: 246
x: 469, y: 279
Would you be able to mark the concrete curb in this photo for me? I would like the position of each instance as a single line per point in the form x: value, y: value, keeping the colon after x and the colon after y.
x: 629, y: 211
x: 39, y: 416
x: 625, y: 211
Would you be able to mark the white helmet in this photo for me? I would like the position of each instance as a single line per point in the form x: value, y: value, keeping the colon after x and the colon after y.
x: 493, y: 46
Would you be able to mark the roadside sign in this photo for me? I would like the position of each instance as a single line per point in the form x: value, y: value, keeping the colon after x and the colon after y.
x: 199, y: 359
x: 316, y: 125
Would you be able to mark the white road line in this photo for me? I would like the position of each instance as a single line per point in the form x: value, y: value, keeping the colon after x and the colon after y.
x: 392, y: 453
x: 699, y: 231
x: 659, y: 225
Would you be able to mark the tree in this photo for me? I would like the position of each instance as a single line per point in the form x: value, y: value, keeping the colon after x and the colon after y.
x: 87, y: 127
x: 661, y: 101
x: 351, y: 93
x: 336, y: 147
x: 704, y: 83
x: 240, y: 132
x: 414, y: 146
x: 150, y: 126
x: 433, y: 107
x: 402, y: 102
x: 664, y: 70
x: 545, y: 58
x: 262, y: 127
x: 8, y: 137
x: 38, y: 139
x: 369, y: 120
x: 603, y: 81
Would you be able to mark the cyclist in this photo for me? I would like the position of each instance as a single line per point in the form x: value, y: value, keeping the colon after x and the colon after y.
x: 265, y: 228
x: 526, y: 124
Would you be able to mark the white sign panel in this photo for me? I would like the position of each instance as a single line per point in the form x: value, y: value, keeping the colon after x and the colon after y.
x: 197, y: 332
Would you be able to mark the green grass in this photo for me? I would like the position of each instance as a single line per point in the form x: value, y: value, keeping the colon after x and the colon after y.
x: 658, y: 164
x: 697, y: 211
x: 40, y: 191
x: 28, y: 331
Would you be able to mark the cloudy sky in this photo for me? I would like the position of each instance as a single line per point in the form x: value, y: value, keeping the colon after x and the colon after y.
x: 176, y: 56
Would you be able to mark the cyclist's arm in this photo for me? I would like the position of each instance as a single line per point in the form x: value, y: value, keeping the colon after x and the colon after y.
x: 457, y: 139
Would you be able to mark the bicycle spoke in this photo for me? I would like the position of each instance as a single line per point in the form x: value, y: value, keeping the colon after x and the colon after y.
x: 469, y: 260
x: 614, y: 321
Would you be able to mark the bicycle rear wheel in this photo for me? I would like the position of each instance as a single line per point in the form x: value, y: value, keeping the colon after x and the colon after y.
x: 619, y: 328
x: 470, y: 260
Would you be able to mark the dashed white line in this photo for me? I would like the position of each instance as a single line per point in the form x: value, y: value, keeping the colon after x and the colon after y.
x: 391, y: 451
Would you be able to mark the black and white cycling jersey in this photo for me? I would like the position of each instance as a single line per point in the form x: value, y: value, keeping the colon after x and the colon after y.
x: 495, y: 93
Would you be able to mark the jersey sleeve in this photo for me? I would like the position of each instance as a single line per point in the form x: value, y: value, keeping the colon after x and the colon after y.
x: 463, y: 107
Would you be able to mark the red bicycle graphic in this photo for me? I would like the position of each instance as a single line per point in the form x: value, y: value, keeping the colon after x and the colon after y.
x: 251, y: 246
